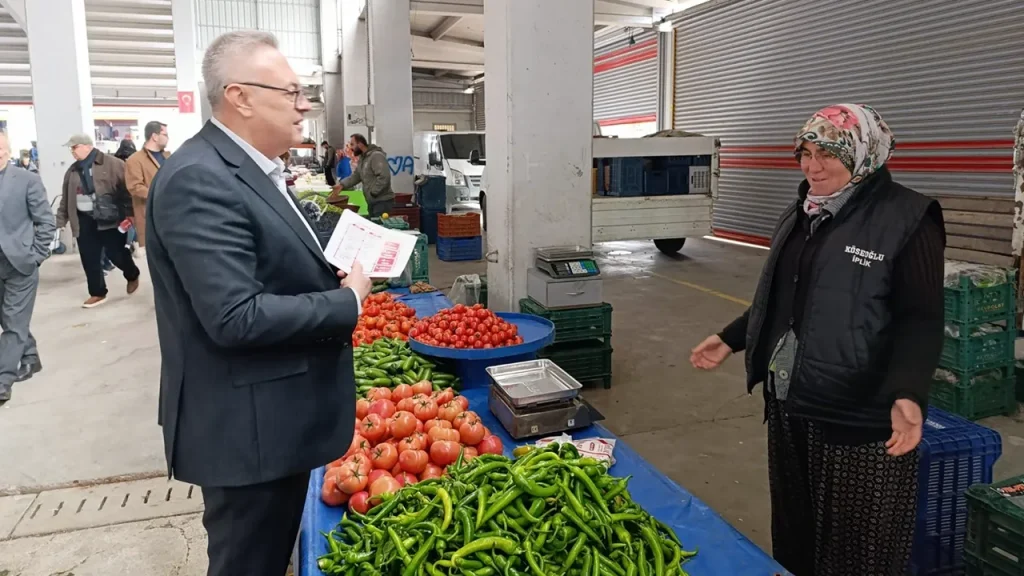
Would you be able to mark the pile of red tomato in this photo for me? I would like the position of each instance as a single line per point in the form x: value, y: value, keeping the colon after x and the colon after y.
x: 403, y: 436
x: 466, y: 327
x: 383, y: 317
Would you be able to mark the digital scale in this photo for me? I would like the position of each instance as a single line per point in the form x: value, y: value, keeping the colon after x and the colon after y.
x: 537, y: 397
x: 565, y: 277
x: 568, y: 262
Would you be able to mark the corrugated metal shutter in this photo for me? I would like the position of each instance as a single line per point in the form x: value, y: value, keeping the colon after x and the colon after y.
x: 437, y: 100
x: 946, y: 77
x: 479, y: 113
x: 626, y: 79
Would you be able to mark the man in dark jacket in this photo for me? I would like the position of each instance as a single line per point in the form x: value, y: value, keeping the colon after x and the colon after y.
x: 95, y: 201
x: 374, y: 172
x: 256, y: 380
x: 330, y: 163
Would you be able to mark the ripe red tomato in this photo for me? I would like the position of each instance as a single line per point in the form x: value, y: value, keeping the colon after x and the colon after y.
x: 350, y: 480
x: 449, y: 411
x: 384, y: 485
x: 360, y: 502
x: 381, y: 393
x: 359, y: 445
x: 384, y: 456
x: 401, y: 392
x: 431, y: 471
x: 331, y: 494
x: 490, y: 445
x: 462, y: 402
x: 405, y: 478
x: 469, y: 453
x: 424, y: 410
x: 404, y: 425
x: 471, y: 432
x: 373, y: 428
x: 405, y: 405
x: 438, y: 434
x: 376, y: 475
x: 445, y: 396
x: 463, y: 417
x: 444, y: 452
x: 362, y: 408
x: 385, y: 408
x: 414, y: 461
x: 434, y: 423
x: 360, y: 461
x: 422, y: 387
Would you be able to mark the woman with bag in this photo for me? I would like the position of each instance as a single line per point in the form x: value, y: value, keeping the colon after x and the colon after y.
x: 95, y: 201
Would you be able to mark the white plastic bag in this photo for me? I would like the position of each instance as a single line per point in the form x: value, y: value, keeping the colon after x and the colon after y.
x: 601, y: 449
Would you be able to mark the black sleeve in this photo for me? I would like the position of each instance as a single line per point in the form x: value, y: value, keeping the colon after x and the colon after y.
x: 918, y: 312
x: 735, y: 334
x: 212, y: 246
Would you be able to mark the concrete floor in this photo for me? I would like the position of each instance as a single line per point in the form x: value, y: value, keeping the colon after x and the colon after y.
x: 91, y: 414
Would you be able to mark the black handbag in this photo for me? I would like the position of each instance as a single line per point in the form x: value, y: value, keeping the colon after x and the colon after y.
x: 106, y: 209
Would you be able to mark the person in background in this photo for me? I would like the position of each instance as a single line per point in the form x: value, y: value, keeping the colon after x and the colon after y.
x: 139, y: 171
x: 374, y: 172
x: 26, y: 229
x: 256, y: 380
x: 25, y: 162
x: 330, y: 163
x: 95, y: 201
x: 344, y: 162
x: 125, y: 150
x: 845, y: 332
x: 34, y: 153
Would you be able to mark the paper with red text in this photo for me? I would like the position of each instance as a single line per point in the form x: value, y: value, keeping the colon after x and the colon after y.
x: 382, y: 252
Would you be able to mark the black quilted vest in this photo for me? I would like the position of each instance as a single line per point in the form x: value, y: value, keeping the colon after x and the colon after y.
x: 844, y: 340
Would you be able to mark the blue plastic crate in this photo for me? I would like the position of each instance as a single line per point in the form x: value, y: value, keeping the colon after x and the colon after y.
x: 428, y: 223
x: 955, y: 454
x: 460, y: 249
x: 432, y: 194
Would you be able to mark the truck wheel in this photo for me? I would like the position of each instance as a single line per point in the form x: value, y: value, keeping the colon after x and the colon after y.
x: 670, y: 246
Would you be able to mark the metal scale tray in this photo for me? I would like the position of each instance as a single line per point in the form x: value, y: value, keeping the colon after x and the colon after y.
x: 536, y: 397
x: 562, y: 253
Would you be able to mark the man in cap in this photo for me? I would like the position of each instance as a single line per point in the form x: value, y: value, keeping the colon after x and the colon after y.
x: 95, y: 201
x: 26, y: 229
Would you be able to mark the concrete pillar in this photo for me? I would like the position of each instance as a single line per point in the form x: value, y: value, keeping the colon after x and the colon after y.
x: 186, y: 62
x: 61, y: 84
x: 539, y: 102
x: 391, y: 86
x: 330, y: 47
x: 666, y: 78
x: 355, y: 63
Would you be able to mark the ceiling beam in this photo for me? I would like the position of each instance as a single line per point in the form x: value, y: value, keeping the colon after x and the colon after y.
x: 424, y: 43
x: 446, y: 8
x: 16, y: 8
x: 605, y: 30
x: 654, y: 4
x: 623, y: 20
x: 444, y: 27
x: 443, y: 65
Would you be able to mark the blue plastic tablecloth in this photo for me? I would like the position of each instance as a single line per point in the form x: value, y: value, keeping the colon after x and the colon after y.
x: 722, y: 549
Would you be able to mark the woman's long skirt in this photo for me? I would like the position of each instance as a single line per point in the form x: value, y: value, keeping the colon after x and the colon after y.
x: 838, y: 510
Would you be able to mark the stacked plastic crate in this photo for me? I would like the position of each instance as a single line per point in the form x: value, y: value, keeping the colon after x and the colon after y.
x: 955, y: 455
x: 976, y: 377
x: 583, y: 340
x: 458, y: 237
x: 995, y: 529
x: 431, y: 196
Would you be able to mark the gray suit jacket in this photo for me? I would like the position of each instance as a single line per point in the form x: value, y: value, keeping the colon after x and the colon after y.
x: 26, y: 221
x: 256, y: 377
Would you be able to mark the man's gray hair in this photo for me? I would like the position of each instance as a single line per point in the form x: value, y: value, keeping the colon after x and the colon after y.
x: 222, y: 55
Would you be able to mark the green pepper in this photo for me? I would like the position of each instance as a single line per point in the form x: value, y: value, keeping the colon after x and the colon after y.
x: 573, y: 502
x: 582, y: 526
x: 617, y: 489
x: 462, y: 515
x: 659, y: 557
x: 533, y: 488
x: 524, y: 513
x: 502, y: 502
x: 412, y: 566
x: 481, y: 503
x: 574, y: 552
x: 505, y: 545
x: 641, y: 561
x: 531, y: 560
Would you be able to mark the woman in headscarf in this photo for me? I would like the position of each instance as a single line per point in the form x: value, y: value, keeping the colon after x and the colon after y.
x: 845, y: 332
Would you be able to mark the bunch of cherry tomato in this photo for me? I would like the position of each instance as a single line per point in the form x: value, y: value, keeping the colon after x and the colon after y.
x: 383, y: 317
x: 466, y: 327
x: 402, y: 436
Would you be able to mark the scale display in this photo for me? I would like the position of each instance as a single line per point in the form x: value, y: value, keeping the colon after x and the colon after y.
x: 583, y: 268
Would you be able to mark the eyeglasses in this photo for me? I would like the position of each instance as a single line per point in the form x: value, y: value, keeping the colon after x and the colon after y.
x: 295, y: 93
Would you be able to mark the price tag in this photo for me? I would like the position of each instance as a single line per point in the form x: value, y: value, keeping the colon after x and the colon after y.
x: 535, y: 429
x: 571, y: 423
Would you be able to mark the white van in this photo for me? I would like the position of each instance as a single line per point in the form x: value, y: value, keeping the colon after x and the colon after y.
x: 458, y: 156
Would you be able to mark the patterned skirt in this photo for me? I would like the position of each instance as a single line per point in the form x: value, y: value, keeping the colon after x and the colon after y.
x: 838, y: 510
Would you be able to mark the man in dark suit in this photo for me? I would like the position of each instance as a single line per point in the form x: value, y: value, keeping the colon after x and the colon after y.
x: 256, y: 382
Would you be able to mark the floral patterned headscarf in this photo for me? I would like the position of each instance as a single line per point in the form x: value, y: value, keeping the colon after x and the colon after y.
x: 854, y: 133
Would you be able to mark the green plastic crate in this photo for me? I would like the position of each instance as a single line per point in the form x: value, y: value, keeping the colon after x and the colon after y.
x: 970, y: 304
x: 968, y: 352
x: 418, y: 268
x: 995, y: 528
x: 979, y: 399
x: 574, y: 323
x: 586, y: 361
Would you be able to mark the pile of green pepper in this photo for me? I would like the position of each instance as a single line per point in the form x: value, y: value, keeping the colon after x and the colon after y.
x: 549, y: 513
x: 389, y: 362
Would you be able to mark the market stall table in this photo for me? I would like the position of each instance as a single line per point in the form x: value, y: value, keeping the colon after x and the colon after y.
x: 722, y: 549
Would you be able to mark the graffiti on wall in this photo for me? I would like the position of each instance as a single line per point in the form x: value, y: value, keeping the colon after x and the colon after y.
x: 400, y: 164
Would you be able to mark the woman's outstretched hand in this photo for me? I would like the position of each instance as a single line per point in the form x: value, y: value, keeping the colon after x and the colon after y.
x: 906, y: 427
x: 710, y: 353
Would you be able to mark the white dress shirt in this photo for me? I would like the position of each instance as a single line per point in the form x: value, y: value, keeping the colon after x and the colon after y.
x: 274, y: 169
